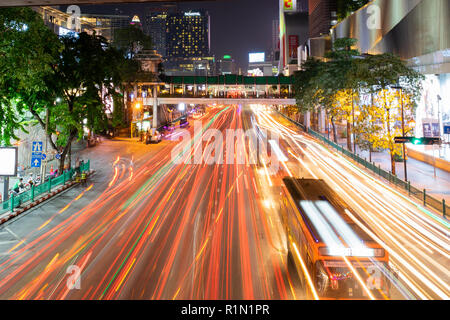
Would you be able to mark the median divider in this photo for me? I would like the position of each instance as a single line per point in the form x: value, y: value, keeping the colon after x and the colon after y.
x: 421, y: 195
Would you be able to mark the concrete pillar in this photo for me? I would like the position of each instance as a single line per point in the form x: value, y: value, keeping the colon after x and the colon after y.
x: 135, y: 91
x: 307, y: 119
x: 155, y: 108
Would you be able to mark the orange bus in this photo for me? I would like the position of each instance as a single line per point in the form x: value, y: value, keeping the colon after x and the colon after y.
x: 332, y: 254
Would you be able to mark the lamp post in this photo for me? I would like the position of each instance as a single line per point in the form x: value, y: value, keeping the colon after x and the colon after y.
x: 137, y: 106
x: 439, y: 119
x: 353, y: 124
x: 403, y: 129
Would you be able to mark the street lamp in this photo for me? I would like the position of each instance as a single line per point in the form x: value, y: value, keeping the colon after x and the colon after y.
x: 439, y: 119
x: 403, y: 128
x: 137, y: 106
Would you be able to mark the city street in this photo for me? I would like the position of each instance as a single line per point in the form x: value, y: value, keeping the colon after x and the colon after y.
x: 148, y: 228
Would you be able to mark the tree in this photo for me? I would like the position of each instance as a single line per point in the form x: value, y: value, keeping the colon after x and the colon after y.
x: 85, y: 74
x: 347, y: 7
x: 131, y: 40
x: 340, y: 83
x: 381, y: 73
x: 307, y: 91
x: 27, y: 52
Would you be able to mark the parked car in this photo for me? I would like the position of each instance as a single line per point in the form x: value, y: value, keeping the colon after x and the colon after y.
x: 156, y: 137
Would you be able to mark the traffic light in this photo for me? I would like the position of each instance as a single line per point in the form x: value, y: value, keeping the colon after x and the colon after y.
x: 418, y: 141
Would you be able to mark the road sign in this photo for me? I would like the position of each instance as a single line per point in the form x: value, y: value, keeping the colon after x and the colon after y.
x: 37, y: 146
x: 446, y: 129
x: 36, y: 154
x: 36, y: 160
x: 58, y: 156
x: 44, y: 156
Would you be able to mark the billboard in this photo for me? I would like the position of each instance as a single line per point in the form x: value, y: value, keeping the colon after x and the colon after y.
x: 294, y: 43
x: 256, y: 57
x: 8, y: 161
x: 289, y: 5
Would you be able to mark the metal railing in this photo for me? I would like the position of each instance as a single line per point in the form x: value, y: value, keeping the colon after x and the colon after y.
x: 421, y: 195
x: 36, y: 190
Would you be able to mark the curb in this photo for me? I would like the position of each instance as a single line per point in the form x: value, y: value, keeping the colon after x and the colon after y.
x: 40, y: 200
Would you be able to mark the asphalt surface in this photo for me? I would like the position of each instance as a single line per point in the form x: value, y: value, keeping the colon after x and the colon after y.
x: 146, y: 227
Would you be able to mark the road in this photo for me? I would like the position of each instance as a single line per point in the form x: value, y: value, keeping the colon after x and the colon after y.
x: 158, y: 231
x: 416, y: 238
x: 147, y: 227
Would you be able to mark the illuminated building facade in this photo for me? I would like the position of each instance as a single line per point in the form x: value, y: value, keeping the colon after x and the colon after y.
x: 225, y: 65
x: 188, y: 34
x: 417, y: 32
x: 293, y: 33
x: 187, y: 44
x: 105, y: 25
x: 156, y: 29
x: 322, y: 16
x: 58, y: 21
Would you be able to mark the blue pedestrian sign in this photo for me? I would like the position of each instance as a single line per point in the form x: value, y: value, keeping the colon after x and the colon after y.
x: 446, y: 129
x: 58, y: 156
x: 36, y: 154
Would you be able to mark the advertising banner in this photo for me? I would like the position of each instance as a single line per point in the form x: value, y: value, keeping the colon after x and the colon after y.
x: 290, y: 5
x: 8, y: 161
x: 294, y: 43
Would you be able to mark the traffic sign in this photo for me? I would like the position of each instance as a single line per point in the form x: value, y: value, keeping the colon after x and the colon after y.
x: 446, y: 129
x: 37, y: 146
x: 36, y: 160
x: 58, y: 156
x: 44, y: 156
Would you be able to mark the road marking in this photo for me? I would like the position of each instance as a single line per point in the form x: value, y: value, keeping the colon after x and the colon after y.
x: 6, y: 242
x: 15, y: 235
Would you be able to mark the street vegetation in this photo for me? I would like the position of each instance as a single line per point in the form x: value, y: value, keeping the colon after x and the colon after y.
x: 62, y: 84
x: 366, y: 92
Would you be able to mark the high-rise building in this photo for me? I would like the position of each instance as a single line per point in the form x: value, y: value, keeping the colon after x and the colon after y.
x: 136, y: 21
x: 60, y: 22
x: 225, y: 65
x: 293, y: 33
x: 187, y: 43
x: 275, y: 45
x: 188, y: 34
x: 156, y: 29
x: 106, y: 25
x: 322, y: 16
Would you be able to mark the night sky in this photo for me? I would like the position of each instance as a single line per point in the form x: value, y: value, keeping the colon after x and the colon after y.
x: 237, y: 26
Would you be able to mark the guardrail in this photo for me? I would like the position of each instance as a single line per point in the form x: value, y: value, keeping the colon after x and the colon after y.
x: 35, y: 191
x: 421, y: 195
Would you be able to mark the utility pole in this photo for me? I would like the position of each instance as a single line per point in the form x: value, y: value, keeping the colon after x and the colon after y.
x: 353, y: 125
x: 44, y: 167
x: 403, y: 131
x: 439, y: 120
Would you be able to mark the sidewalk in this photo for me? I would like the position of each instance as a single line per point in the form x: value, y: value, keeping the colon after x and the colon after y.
x: 77, y: 148
x: 420, y: 174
